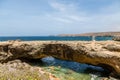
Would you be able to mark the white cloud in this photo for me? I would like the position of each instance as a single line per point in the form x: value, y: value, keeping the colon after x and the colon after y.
x: 58, y: 6
x: 67, y: 13
x: 63, y: 7
x: 108, y: 17
x: 78, y: 18
x: 63, y: 20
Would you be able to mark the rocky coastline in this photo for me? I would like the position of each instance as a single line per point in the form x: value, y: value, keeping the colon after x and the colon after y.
x: 99, y: 53
x: 102, y: 34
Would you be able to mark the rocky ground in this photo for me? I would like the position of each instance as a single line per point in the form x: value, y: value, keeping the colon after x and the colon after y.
x: 20, y: 70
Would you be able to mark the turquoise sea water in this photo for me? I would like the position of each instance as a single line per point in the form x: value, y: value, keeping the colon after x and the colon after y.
x: 69, y: 70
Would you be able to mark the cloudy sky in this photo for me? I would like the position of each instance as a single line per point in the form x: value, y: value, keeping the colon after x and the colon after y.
x: 52, y: 17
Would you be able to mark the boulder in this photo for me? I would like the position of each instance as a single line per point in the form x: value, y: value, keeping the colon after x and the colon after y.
x: 116, y: 38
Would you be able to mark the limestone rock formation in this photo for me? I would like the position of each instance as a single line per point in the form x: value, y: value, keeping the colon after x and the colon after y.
x: 116, y: 38
x: 99, y: 53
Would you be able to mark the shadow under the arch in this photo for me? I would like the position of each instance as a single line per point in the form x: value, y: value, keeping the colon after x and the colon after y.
x: 69, y: 68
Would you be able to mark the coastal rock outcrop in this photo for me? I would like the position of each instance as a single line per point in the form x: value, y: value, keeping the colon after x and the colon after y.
x: 116, y: 38
x: 100, y: 53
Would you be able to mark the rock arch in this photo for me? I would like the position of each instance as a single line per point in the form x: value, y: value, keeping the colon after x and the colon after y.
x: 78, y: 51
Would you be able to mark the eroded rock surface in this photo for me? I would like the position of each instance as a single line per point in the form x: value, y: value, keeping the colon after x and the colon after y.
x: 99, y: 53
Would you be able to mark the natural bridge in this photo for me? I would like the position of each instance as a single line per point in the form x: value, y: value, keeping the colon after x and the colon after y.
x: 99, y: 53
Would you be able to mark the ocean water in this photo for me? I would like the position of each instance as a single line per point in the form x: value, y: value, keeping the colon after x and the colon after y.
x: 69, y: 70
x: 46, y: 38
x: 66, y: 70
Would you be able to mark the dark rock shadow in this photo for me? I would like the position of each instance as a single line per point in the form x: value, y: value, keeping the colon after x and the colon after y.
x: 77, y: 67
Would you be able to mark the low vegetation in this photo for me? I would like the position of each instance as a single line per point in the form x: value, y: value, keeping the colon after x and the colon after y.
x: 17, y: 70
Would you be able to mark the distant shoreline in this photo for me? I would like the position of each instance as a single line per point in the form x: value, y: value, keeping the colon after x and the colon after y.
x: 102, y: 34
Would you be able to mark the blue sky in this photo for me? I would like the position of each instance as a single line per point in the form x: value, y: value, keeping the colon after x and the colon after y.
x: 52, y: 17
